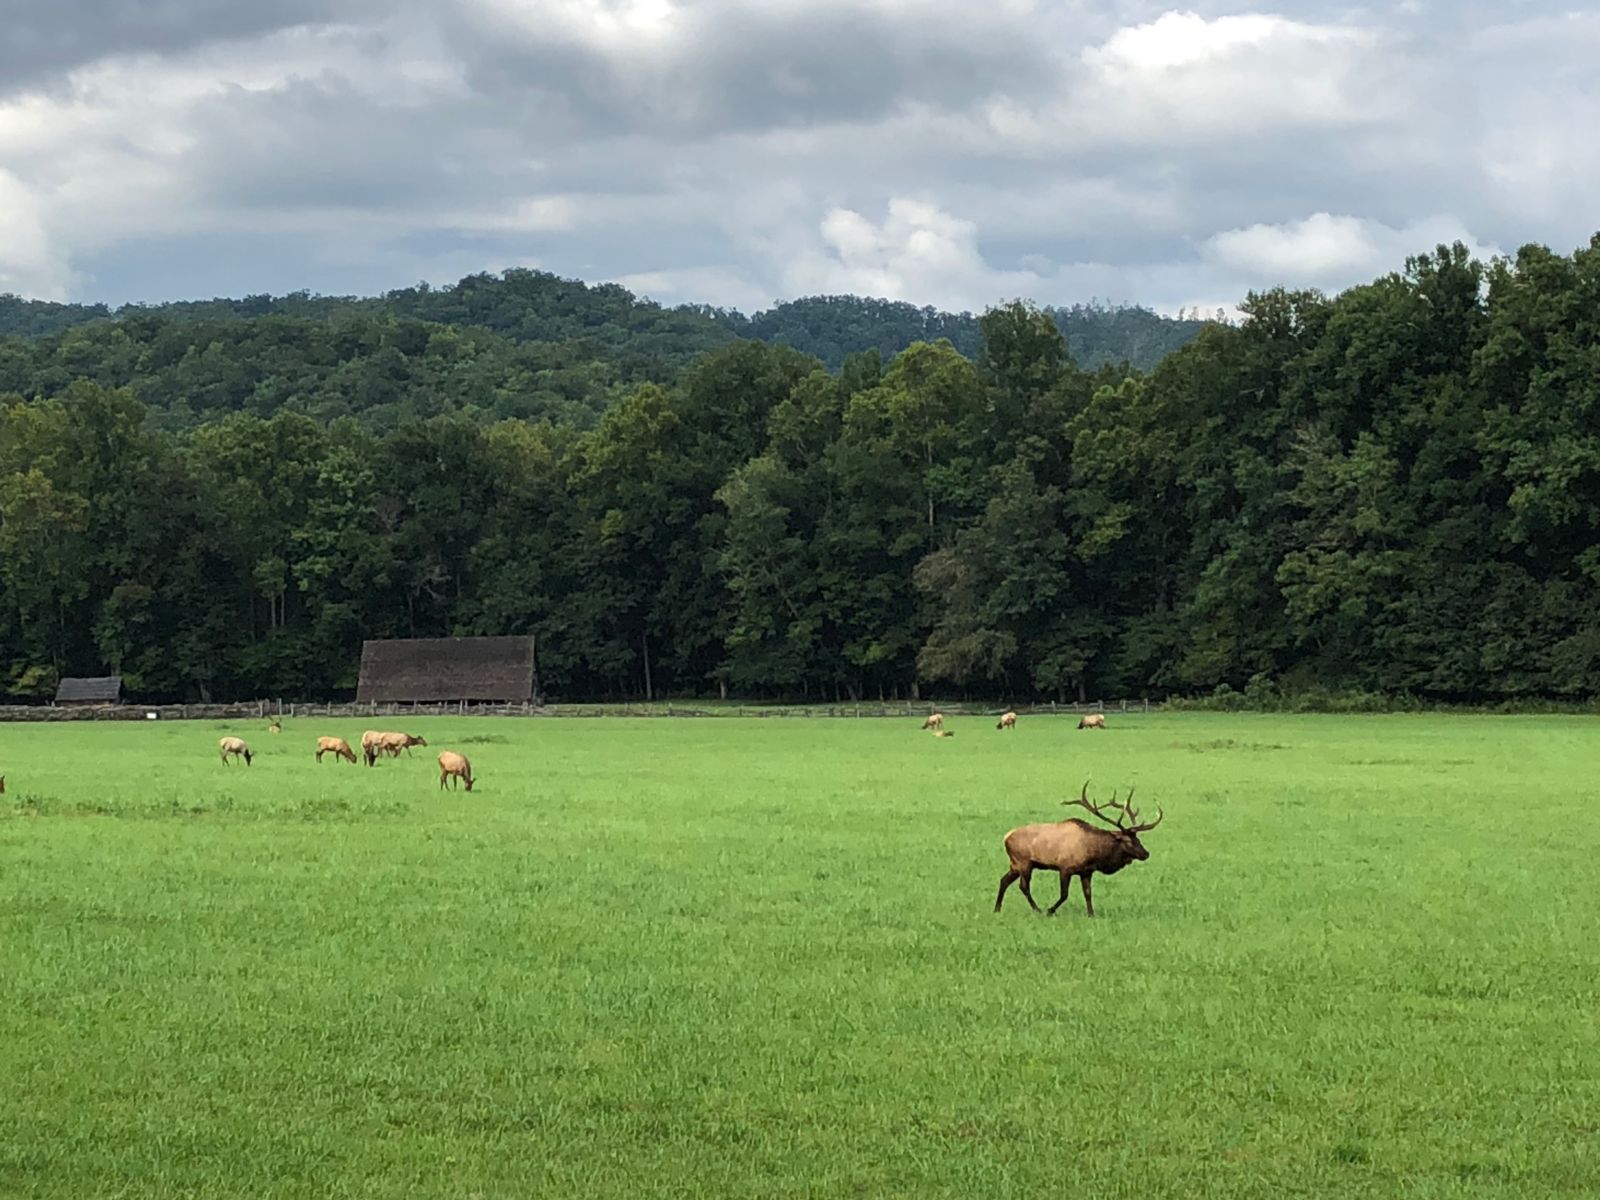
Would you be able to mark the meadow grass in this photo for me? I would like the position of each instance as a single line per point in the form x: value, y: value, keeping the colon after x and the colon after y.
x: 756, y: 958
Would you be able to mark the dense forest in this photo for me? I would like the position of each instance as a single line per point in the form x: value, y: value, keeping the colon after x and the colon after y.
x: 524, y: 345
x: 1396, y: 489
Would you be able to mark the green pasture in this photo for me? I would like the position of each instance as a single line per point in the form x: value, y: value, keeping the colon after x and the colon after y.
x: 757, y: 958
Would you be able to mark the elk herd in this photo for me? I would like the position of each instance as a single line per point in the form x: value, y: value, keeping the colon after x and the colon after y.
x: 934, y: 723
x: 374, y: 745
x: 1073, y: 848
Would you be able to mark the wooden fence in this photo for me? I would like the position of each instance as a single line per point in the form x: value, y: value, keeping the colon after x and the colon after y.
x: 263, y: 710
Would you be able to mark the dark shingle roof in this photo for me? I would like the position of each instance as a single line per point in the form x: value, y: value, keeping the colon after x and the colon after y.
x: 106, y: 688
x: 465, y: 668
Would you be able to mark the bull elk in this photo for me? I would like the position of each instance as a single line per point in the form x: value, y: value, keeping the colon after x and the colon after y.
x: 1093, y: 721
x: 1075, y: 847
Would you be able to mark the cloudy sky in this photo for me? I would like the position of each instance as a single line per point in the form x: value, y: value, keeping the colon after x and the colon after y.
x: 937, y: 151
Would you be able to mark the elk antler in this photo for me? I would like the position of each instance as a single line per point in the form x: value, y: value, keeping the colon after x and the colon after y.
x: 1098, y: 810
x: 1133, y: 815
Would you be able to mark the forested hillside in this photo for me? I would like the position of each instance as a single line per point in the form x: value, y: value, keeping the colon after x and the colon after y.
x: 1395, y: 489
x: 522, y: 344
x: 833, y: 327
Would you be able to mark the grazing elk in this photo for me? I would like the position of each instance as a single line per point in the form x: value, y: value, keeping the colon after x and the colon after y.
x: 392, y: 743
x: 237, y: 748
x: 934, y: 721
x: 1008, y: 720
x: 454, y: 766
x: 1075, y: 847
x: 1093, y: 721
x: 338, y: 747
x: 375, y: 743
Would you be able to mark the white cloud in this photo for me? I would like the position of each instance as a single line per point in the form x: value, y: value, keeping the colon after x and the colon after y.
x: 917, y: 252
x: 724, y: 287
x: 1318, y: 247
x: 1178, y: 39
x: 29, y: 265
x: 1182, y: 76
x: 1333, y: 251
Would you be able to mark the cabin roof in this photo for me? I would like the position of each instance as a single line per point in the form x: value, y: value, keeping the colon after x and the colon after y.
x: 435, y: 669
x: 98, y: 687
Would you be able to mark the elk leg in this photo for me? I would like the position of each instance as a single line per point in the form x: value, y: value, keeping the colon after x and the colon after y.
x: 1088, y: 904
x: 1022, y: 882
x: 1006, y: 881
x: 1066, y: 884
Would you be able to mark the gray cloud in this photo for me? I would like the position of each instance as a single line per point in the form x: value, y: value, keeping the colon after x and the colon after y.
x: 735, y: 153
x: 719, y: 68
x: 43, y: 41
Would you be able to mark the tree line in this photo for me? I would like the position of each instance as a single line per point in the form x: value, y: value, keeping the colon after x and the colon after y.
x: 1395, y: 489
x: 523, y: 344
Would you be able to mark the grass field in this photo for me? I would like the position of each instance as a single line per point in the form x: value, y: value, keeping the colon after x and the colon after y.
x: 756, y: 958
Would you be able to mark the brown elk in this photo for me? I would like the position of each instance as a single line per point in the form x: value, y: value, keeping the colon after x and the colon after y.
x: 337, y: 747
x: 393, y: 743
x: 236, y: 747
x: 454, y: 766
x: 943, y: 733
x: 1093, y: 721
x: 1075, y: 847
x: 934, y: 721
x: 1008, y: 720
x: 374, y: 743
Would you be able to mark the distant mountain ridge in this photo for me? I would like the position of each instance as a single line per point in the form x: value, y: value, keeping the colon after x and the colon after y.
x: 538, y: 307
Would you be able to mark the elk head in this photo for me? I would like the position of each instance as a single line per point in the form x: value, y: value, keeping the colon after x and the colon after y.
x: 1126, y: 826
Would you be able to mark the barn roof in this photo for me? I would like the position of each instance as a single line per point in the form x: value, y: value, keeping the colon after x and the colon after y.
x: 461, y: 668
x: 106, y: 688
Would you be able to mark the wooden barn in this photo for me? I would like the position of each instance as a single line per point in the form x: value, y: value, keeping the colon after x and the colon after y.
x: 102, y: 689
x: 442, y: 670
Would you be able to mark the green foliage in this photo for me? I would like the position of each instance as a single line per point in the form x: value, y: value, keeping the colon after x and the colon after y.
x: 1390, y: 494
x: 523, y: 344
x: 833, y: 327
